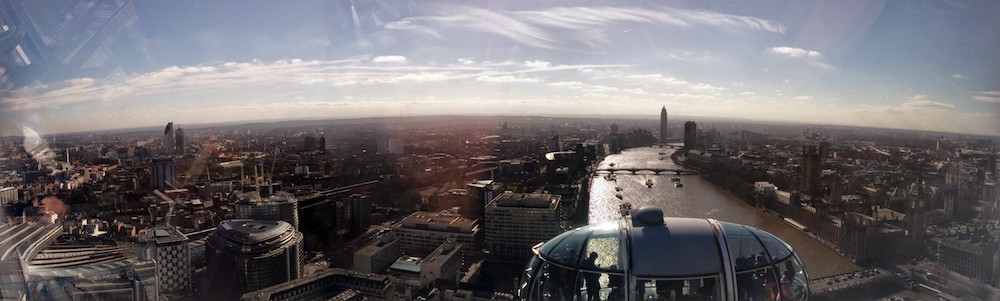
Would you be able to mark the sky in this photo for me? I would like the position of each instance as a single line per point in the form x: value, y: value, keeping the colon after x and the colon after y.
x: 920, y: 64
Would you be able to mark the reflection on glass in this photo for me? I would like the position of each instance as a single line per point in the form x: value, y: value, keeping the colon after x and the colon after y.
x: 705, y: 288
x: 794, y: 281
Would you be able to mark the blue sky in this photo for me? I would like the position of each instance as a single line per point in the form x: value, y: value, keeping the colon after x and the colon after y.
x: 929, y: 65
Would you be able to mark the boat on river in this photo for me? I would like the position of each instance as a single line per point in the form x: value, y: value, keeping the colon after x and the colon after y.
x: 624, y: 208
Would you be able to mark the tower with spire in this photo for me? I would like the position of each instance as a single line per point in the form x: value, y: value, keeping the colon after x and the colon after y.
x: 663, y: 125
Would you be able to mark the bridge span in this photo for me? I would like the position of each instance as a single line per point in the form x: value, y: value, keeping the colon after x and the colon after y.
x: 834, y: 284
x: 636, y: 170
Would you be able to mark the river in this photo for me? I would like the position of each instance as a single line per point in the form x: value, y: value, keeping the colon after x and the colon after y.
x: 702, y: 199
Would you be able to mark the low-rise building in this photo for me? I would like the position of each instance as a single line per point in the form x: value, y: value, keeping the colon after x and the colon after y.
x: 378, y: 255
x: 422, y: 232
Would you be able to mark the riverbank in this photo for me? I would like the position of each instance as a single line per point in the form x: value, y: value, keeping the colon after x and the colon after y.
x: 698, y: 198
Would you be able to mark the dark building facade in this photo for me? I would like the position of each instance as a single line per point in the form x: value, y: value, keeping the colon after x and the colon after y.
x: 162, y: 171
x: 812, y: 166
x: 248, y: 255
x: 690, y: 135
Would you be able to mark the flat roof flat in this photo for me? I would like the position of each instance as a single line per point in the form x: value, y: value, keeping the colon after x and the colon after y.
x: 526, y: 200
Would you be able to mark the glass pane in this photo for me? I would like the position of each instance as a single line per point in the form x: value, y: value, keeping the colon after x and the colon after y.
x: 565, y: 251
x: 794, y: 281
x: 758, y: 284
x: 678, y: 289
x: 528, y: 278
x: 602, y: 250
x: 557, y: 283
x: 600, y: 286
x: 778, y: 249
x: 744, y: 248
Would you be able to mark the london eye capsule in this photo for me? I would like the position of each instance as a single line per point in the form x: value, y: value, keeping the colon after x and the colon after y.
x: 648, y: 257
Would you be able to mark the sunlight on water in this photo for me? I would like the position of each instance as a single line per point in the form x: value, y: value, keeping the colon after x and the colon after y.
x: 697, y: 198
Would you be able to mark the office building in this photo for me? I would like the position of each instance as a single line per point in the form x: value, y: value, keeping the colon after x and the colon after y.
x: 169, y: 140
x: 663, y: 125
x: 422, y: 232
x: 179, y: 142
x: 8, y: 195
x: 483, y: 192
x: 281, y: 206
x: 378, y: 255
x: 517, y: 221
x: 248, y: 255
x: 328, y: 285
x: 443, y: 263
x: 169, y: 248
x: 163, y: 173
x: 389, y: 146
x: 555, y: 144
x: 690, y: 135
x: 361, y: 213
x: 309, y: 143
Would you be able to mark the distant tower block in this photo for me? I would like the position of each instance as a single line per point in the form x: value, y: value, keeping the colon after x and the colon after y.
x: 163, y: 172
x: 690, y: 135
x: 663, y: 125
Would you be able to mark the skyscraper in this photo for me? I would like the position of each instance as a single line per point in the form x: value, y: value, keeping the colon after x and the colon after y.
x: 663, y: 125
x: 169, y: 140
x: 690, y: 135
x: 361, y: 213
x: 248, y: 255
x: 163, y: 172
x: 281, y: 206
x: 179, y: 142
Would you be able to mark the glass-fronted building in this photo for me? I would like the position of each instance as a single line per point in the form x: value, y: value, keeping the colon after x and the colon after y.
x: 646, y: 256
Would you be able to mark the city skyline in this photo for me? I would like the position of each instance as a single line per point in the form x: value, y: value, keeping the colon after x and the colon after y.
x: 872, y: 64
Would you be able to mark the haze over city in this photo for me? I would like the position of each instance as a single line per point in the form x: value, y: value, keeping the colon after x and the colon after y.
x: 923, y: 65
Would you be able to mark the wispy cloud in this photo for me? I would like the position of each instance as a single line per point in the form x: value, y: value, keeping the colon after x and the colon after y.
x: 988, y: 96
x: 393, y: 59
x: 551, y: 28
x: 811, y: 56
x: 503, y: 79
x: 794, y: 52
x: 921, y: 102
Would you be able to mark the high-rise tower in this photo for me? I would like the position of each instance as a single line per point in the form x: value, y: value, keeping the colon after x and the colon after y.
x: 690, y: 135
x: 169, y: 140
x: 663, y: 125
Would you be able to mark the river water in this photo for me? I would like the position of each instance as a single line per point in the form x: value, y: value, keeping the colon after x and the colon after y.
x: 701, y: 199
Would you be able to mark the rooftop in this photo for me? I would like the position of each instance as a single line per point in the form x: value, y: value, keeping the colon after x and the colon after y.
x: 162, y: 235
x: 442, y: 221
x: 252, y: 230
x: 525, y: 200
